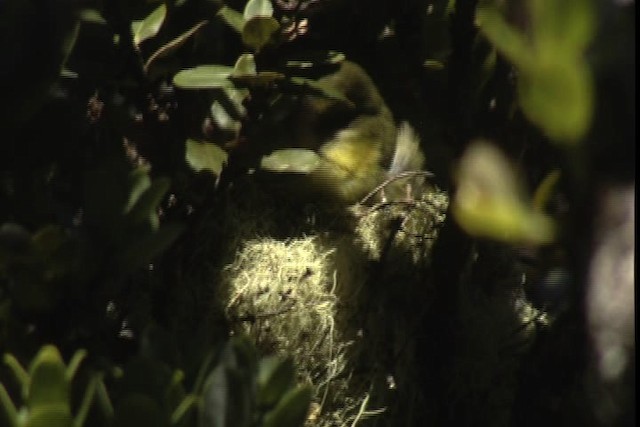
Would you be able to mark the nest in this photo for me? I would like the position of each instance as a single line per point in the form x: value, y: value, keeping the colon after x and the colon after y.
x: 342, y: 294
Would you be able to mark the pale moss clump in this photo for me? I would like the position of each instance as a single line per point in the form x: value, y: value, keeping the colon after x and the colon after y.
x: 302, y: 283
x: 407, y: 226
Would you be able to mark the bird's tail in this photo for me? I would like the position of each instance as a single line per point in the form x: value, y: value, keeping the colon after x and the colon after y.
x: 408, y: 155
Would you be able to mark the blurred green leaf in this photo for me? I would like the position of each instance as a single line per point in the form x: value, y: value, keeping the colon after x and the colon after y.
x: 545, y: 189
x: 74, y: 363
x: 187, y: 404
x: 204, y: 77
x: 561, y: 27
x: 555, y: 87
x: 48, y: 239
x: 558, y: 96
x: 48, y: 382
x: 15, y: 243
x: 9, y: 408
x: 205, y: 156
x: 292, y: 409
x: 20, y: 374
x: 491, y: 202
x: 92, y: 16
x: 296, y: 160
x: 149, y: 26
x: 511, y: 43
x: 259, y: 31
x: 275, y: 377
x: 50, y: 416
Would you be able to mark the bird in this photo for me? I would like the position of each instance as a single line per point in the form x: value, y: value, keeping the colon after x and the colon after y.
x: 357, y: 143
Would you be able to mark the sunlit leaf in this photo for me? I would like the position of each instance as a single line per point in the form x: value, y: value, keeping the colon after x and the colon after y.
x: 245, y: 65
x: 261, y: 79
x: 222, y: 117
x: 232, y: 17
x: 174, y: 44
x: 204, y: 77
x: 297, y: 160
x: 291, y: 410
x: 491, y: 202
x: 253, y: 8
x: 149, y: 26
x: 258, y: 31
x: 205, y: 156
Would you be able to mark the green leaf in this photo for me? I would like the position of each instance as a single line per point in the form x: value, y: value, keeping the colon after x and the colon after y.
x: 562, y: 27
x: 205, y: 156
x: 204, y: 77
x: 503, y: 36
x: 259, y: 31
x: 50, y: 416
x: 291, y: 410
x: 232, y: 17
x: 149, y: 26
x: 545, y: 190
x: 19, y: 373
x: 296, y: 160
x: 245, y: 65
x: 275, y: 378
x: 48, y: 385
x: 491, y: 202
x: 261, y: 8
x: 173, y: 45
x: 145, y: 208
x: 74, y: 363
x: 10, y: 410
x: 183, y: 408
x: 558, y: 97
x: 92, y: 16
x: 139, y: 182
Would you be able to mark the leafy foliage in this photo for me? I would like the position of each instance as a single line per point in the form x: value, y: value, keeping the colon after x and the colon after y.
x: 127, y: 125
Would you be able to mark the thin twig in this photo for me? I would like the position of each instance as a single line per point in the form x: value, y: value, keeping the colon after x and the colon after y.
x: 392, y: 179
